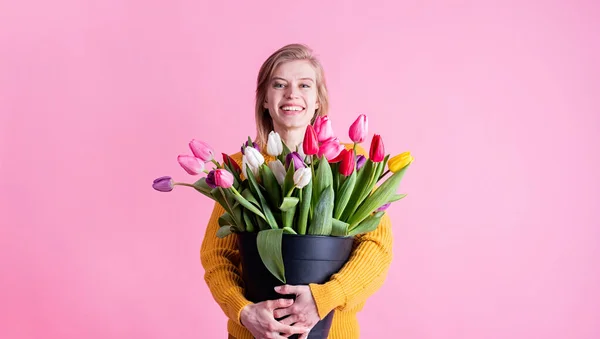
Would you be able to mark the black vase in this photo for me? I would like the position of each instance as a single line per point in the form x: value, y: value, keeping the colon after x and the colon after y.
x: 306, y: 258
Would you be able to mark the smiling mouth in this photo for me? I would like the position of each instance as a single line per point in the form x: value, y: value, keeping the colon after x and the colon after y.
x: 291, y: 109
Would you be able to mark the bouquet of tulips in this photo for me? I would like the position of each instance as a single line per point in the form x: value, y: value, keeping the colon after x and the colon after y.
x: 320, y: 188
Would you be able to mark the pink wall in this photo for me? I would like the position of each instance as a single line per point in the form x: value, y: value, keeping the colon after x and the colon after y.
x: 498, y: 238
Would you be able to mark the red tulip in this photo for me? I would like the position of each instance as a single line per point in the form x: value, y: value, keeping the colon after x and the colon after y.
x: 310, y: 145
x: 377, y: 152
x: 358, y: 130
x: 347, y: 165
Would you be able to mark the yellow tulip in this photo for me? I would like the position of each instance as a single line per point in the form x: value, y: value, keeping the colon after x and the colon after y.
x: 399, y: 161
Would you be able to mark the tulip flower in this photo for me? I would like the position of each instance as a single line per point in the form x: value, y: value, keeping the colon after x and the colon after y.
x: 191, y: 164
x: 347, y: 164
x: 310, y: 144
x: 274, y: 145
x: 295, y: 157
x: 399, y: 161
x: 223, y: 178
x: 247, y: 144
x: 360, y: 162
x: 302, y: 177
x: 202, y: 150
x: 163, y: 184
x: 383, y: 207
x: 210, y: 179
x: 278, y: 170
x: 377, y: 151
x: 323, y: 129
x: 246, y: 165
x: 358, y: 130
x: 331, y: 150
x: 254, y: 157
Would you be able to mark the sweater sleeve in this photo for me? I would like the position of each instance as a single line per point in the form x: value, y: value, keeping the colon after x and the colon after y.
x: 220, y: 259
x: 363, y: 274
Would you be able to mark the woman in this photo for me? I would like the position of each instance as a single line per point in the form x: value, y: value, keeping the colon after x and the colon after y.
x: 291, y: 92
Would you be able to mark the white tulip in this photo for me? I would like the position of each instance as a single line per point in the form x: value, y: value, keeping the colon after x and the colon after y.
x: 253, y: 157
x: 274, y: 145
x: 302, y: 177
x: 246, y: 164
x: 278, y: 170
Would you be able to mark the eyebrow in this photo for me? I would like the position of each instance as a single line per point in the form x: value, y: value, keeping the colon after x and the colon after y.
x: 280, y: 78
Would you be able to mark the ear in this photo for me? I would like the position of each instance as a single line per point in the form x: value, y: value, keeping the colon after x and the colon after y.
x: 317, y: 105
x: 265, y: 104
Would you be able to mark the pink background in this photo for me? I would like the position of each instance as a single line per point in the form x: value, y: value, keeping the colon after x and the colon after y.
x: 498, y: 238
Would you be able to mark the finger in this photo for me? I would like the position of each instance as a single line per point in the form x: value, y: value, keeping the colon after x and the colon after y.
x: 282, y: 312
x: 304, y: 335
x: 286, y: 289
x: 287, y: 329
x: 290, y: 320
x: 278, y: 303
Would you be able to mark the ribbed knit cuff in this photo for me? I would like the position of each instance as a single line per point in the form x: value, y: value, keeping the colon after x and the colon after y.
x: 235, y: 304
x: 328, y: 296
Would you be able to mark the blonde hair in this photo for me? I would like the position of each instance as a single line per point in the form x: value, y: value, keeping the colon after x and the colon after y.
x: 291, y: 52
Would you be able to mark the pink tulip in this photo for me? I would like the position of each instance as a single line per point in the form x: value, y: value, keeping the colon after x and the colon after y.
x: 191, y: 164
x: 358, y: 130
x: 202, y: 150
x: 331, y: 149
x: 323, y: 129
x: 223, y: 178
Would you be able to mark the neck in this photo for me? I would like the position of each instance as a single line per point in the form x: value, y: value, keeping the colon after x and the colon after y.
x: 291, y: 137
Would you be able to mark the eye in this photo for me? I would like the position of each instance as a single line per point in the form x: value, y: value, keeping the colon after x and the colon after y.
x: 278, y: 85
x: 305, y: 85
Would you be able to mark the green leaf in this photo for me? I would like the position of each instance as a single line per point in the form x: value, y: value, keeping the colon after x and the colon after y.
x: 248, y: 196
x: 269, y: 249
x: 248, y: 221
x: 396, y: 197
x: 324, y: 177
x: 224, y: 231
x: 306, y: 194
x: 226, y: 220
x: 202, y: 187
x: 271, y: 185
x: 289, y: 230
x: 339, y: 228
x: 249, y: 206
x: 263, y: 202
x: 367, y: 225
x: 381, y: 195
x: 363, y: 177
x: 343, y: 195
x: 321, y: 223
x: 289, y: 203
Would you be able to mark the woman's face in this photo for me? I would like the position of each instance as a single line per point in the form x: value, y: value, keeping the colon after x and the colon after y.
x: 292, y: 95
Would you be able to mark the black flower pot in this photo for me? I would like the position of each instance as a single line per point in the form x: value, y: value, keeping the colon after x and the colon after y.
x: 306, y: 258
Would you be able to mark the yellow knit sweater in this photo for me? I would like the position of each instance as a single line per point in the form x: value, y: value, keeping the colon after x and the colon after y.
x: 346, y: 292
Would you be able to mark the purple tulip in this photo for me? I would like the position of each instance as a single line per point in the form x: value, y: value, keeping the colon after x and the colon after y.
x: 360, y: 162
x: 163, y: 184
x: 384, y: 207
x: 294, y: 156
x: 210, y: 179
x: 247, y: 144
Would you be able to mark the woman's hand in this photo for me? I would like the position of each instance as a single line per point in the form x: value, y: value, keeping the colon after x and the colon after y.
x: 260, y: 321
x: 303, y: 312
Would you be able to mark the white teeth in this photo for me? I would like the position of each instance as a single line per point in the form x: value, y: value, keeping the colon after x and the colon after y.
x: 291, y: 108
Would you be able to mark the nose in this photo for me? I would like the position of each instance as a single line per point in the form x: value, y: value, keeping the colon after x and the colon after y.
x: 292, y: 92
